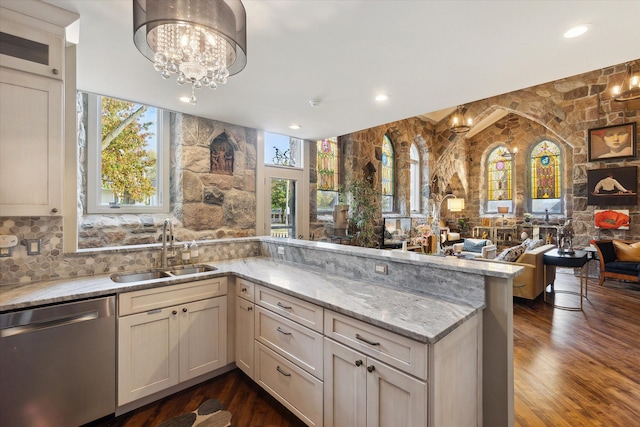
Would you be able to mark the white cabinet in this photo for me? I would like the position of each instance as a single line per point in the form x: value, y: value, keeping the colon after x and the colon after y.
x: 374, y: 377
x: 169, y: 344
x: 288, y: 352
x: 32, y: 111
x: 245, y: 329
x: 362, y: 391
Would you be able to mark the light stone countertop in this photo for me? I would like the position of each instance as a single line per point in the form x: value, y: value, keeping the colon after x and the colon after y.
x: 420, y: 317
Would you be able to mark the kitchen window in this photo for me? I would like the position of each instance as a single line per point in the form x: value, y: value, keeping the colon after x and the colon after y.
x: 128, y: 161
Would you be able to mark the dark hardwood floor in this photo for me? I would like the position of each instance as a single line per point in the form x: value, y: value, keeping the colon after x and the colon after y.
x: 571, y: 368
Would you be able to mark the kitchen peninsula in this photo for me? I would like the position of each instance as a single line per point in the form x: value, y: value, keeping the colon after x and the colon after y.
x: 421, y: 298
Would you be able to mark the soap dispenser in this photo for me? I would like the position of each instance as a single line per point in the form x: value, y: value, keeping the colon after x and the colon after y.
x: 193, y: 249
x: 186, y: 254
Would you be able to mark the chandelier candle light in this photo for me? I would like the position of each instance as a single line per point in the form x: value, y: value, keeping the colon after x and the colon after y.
x: 202, y: 41
x: 630, y: 87
x: 459, y: 124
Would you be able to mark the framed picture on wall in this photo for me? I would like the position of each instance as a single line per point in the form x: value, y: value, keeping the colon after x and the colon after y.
x: 612, y: 219
x: 612, y: 142
x: 613, y: 186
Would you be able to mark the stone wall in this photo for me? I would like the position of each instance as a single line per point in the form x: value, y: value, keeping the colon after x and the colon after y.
x: 205, y: 204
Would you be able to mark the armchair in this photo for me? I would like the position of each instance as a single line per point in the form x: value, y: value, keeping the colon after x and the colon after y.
x: 476, y: 248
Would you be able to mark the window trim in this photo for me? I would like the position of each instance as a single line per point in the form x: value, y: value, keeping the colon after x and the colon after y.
x: 393, y: 178
x: 414, y: 184
x: 94, y: 163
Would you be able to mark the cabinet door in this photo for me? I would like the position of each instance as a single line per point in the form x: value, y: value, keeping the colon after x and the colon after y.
x: 244, y: 336
x: 203, y: 337
x: 147, y: 353
x: 344, y: 386
x: 394, y: 398
x: 30, y: 144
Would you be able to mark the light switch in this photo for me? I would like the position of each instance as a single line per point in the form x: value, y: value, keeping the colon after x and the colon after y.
x: 5, y: 252
x: 33, y: 246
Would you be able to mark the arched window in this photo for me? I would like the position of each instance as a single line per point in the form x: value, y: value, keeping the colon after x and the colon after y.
x: 499, y: 180
x: 327, y: 174
x: 414, y: 186
x: 388, y: 171
x: 546, y: 185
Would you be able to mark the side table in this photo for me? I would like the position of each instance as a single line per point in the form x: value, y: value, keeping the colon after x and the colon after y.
x: 578, y: 259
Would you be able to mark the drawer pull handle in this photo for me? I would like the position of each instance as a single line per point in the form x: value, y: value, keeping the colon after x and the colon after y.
x: 282, y: 331
x: 371, y: 368
x: 244, y: 290
x: 174, y: 312
x: 286, y: 374
x: 358, y: 336
x: 286, y: 307
x: 249, y: 308
x: 184, y: 310
x: 358, y: 362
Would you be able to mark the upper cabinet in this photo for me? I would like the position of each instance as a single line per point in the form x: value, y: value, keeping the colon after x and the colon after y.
x: 32, y: 70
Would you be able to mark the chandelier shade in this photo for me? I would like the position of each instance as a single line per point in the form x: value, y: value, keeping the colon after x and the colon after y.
x: 203, y: 42
x: 458, y: 122
x: 630, y: 87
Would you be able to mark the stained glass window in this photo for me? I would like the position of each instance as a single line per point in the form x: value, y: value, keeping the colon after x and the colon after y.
x: 327, y: 173
x: 500, y: 179
x: 546, y: 183
x: 388, y: 171
x: 414, y: 170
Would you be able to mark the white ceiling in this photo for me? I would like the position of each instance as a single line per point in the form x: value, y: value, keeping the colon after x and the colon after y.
x: 426, y: 55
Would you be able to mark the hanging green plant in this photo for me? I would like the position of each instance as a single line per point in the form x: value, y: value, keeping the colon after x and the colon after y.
x: 364, y: 204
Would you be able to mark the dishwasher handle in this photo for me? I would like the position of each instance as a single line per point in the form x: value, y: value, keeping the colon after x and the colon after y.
x: 33, y: 327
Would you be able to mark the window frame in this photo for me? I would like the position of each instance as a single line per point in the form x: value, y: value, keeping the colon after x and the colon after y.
x: 559, y: 177
x: 414, y: 178
x: 336, y: 192
x: 94, y: 162
x: 393, y: 178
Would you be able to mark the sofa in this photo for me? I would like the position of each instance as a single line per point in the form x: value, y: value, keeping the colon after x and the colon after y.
x: 475, y: 248
x: 530, y: 284
x: 619, y: 260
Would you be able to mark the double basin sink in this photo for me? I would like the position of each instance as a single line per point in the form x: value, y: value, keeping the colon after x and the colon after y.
x: 160, y: 273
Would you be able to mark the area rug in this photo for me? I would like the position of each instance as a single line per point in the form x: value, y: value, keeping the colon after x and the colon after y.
x: 210, y: 414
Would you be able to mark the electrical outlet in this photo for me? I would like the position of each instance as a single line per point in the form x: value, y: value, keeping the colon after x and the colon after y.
x: 381, y: 269
x: 280, y: 250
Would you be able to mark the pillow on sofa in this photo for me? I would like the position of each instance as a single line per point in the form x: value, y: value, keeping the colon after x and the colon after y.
x: 511, y: 254
x: 534, y: 244
x: 474, y: 245
x: 627, y: 251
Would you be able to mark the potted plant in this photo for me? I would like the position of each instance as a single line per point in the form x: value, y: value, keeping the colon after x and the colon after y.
x: 364, y: 209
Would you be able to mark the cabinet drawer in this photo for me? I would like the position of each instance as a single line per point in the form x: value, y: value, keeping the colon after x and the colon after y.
x: 305, y: 313
x: 299, y: 391
x: 154, y: 298
x: 300, y: 345
x: 245, y: 289
x: 401, y: 352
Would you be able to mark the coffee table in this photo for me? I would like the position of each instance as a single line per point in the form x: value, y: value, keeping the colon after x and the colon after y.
x: 577, y: 259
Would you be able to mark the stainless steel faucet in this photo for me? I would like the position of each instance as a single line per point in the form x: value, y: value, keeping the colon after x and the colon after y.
x: 167, y: 225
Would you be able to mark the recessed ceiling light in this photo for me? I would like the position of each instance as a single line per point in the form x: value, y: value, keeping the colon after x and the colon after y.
x: 576, y: 31
x: 381, y: 97
x: 294, y: 126
x: 185, y: 99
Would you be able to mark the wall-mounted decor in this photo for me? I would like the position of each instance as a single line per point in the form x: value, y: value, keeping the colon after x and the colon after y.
x: 486, y: 222
x: 612, y: 219
x: 612, y: 142
x: 613, y: 186
x: 221, y: 155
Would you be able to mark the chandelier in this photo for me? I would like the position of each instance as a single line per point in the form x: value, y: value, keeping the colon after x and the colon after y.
x: 203, y: 42
x: 458, y: 123
x: 630, y: 87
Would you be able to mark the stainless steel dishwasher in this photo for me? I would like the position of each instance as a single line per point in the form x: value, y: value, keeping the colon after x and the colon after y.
x: 57, y: 364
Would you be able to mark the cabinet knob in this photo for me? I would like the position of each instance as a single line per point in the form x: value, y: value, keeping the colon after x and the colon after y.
x: 371, y: 368
x: 249, y: 308
x: 358, y: 362
x: 54, y: 210
x: 244, y: 290
x: 55, y: 71
x: 174, y: 312
x: 184, y: 310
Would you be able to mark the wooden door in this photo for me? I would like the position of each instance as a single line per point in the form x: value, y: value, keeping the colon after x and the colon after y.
x: 245, y: 336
